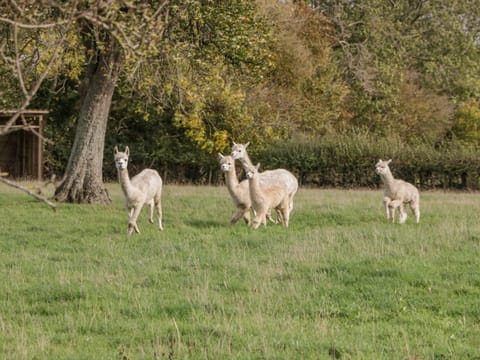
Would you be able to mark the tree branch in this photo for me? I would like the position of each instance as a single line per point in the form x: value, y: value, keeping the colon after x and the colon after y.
x: 36, y: 196
x: 32, y: 26
x: 29, y: 94
x: 17, y: 61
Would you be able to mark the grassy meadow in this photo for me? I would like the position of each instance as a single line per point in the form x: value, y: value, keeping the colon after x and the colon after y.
x: 340, y: 283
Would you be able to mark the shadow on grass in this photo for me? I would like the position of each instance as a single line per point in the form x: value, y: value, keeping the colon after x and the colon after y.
x: 207, y: 224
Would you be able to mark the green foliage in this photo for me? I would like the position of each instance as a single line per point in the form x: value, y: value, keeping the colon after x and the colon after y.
x: 156, y: 143
x: 235, y: 32
x: 348, y: 160
x: 304, y: 93
x: 213, y: 50
x: 382, y: 44
x: 467, y: 122
x: 211, y: 111
x: 449, y: 48
x: 340, y: 280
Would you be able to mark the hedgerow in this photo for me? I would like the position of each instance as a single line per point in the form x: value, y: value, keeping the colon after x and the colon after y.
x: 348, y: 160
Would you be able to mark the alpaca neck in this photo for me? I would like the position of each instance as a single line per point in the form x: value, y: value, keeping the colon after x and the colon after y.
x: 125, y: 183
x: 388, y: 179
x: 245, y: 160
x: 255, y: 192
x: 231, y: 179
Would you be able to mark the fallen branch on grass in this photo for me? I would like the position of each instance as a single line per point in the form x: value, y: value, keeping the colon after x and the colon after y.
x: 36, y: 196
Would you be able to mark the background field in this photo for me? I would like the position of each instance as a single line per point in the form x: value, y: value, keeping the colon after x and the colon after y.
x: 340, y: 282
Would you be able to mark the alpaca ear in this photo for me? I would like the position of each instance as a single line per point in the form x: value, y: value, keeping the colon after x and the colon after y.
x: 220, y: 156
x: 115, y: 150
x: 127, y: 151
x: 389, y: 161
x: 246, y: 145
x: 234, y: 143
x: 257, y: 166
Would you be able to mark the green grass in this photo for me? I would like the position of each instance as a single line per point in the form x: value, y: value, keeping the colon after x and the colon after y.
x: 341, y: 282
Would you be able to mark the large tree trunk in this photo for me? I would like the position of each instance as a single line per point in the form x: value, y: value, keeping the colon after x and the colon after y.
x: 83, y: 181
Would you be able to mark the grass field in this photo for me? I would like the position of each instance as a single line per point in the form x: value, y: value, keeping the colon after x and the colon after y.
x: 340, y: 283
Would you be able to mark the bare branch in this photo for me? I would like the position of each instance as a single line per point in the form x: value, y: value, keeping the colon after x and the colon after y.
x: 29, y: 94
x: 32, y: 26
x: 17, y: 62
x: 30, y: 128
x: 16, y: 7
x: 31, y: 193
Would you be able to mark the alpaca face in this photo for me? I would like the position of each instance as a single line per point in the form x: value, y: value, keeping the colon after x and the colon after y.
x: 251, y: 171
x: 226, y: 163
x: 381, y: 167
x: 121, y: 158
x: 121, y: 161
x: 239, y: 151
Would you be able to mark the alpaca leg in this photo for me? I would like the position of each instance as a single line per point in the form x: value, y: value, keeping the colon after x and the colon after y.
x: 242, y: 211
x: 286, y: 215
x: 246, y: 217
x: 130, y: 214
x: 290, y: 204
x: 386, y: 203
x: 158, y: 204
x: 131, y: 227
x: 151, y: 205
x: 279, y: 217
x: 270, y: 218
x: 392, y: 213
x: 285, y: 209
x: 416, y: 211
x: 259, y: 219
x: 393, y: 206
x: 403, y: 214
x: 132, y: 222
x: 256, y: 222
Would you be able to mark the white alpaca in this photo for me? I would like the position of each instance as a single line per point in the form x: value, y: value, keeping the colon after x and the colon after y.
x: 263, y: 199
x: 277, y: 177
x: 397, y: 193
x: 239, y: 191
x: 143, y: 188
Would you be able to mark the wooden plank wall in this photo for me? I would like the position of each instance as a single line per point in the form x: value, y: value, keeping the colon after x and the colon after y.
x: 21, y: 151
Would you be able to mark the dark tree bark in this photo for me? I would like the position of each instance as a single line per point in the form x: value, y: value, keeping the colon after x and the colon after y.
x: 83, y: 181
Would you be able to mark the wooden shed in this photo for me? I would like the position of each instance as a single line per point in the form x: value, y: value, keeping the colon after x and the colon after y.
x: 21, y: 147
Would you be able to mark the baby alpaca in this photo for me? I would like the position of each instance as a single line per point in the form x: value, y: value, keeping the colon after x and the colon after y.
x: 263, y: 199
x: 392, y: 206
x: 397, y: 193
x: 143, y: 188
